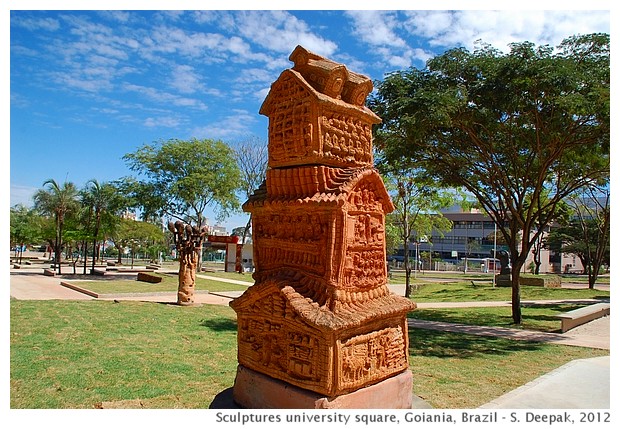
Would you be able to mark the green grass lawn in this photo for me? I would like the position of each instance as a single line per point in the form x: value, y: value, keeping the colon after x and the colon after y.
x: 77, y: 354
x: 463, y: 291
x: 398, y: 276
x: 535, y: 317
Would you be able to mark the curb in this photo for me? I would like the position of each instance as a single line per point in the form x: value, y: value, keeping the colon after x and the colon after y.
x: 79, y: 289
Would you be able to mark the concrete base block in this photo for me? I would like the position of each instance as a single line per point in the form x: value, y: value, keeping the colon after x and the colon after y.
x: 255, y: 390
x: 504, y: 280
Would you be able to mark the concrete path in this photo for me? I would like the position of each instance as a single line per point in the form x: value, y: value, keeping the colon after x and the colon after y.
x: 30, y: 283
x: 580, y: 384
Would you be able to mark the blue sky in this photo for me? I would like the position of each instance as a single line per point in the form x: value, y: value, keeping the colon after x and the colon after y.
x: 87, y: 87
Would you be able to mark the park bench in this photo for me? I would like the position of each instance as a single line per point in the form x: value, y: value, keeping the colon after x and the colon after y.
x: 49, y: 272
x: 574, y: 318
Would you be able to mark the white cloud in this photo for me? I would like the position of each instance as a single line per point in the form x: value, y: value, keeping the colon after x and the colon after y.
x: 185, y: 80
x: 251, y: 75
x: 117, y: 15
x: 232, y: 126
x: 80, y: 81
x: 164, y: 97
x: 36, y: 24
x: 380, y: 30
x: 376, y: 27
x: 278, y: 31
x: 162, y: 121
x: 22, y: 195
x: 262, y: 93
x: 501, y: 27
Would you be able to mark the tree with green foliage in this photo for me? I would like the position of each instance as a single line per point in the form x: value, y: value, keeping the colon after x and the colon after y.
x: 184, y: 177
x: 99, y: 200
x: 520, y: 131
x: 417, y: 214
x: 136, y: 236
x: 58, y: 202
x: 181, y: 178
x: 24, y: 229
x: 586, y: 233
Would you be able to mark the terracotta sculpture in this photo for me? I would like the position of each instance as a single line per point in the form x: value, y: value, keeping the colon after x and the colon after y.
x: 320, y: 315
x: 188, y: 241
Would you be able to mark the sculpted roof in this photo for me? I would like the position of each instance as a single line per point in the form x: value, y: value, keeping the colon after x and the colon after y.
x: 316, y: 184
x: 328, y: 81
x: 324, y: 311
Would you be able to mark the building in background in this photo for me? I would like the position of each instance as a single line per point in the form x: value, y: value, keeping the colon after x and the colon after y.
x: 472, y: 240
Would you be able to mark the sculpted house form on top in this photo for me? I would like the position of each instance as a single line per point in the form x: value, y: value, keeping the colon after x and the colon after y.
x: 320, y: 315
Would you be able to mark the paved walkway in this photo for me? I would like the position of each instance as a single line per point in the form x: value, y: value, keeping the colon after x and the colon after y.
x: 582, y: 384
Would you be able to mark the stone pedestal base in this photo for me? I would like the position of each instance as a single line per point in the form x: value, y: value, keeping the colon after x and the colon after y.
x: 503, y: 280
x: 255, y: 390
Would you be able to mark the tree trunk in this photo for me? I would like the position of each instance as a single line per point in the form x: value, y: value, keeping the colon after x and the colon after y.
x: 92, y: 268
x: 58, y: 257
x: 246, y: 230
x: 407, y: 270
x: 517, y: 265
x: 84, y: 250
x: 516, y: 299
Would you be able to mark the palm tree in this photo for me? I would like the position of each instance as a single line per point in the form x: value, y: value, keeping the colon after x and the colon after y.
x: 58, y: 202
x: 99, y: 199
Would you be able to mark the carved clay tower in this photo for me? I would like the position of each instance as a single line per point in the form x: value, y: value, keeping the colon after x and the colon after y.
x: 320, y: 328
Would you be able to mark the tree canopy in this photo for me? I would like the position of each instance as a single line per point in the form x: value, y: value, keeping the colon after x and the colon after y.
x: 520, y: 131
x: 181, y: 178
x: 58, y: 201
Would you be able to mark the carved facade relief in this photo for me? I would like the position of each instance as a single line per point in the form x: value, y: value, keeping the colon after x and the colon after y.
x: 372, y: 356
x: 290, y: 130
x: 345, y: 138
x: 274, y: 340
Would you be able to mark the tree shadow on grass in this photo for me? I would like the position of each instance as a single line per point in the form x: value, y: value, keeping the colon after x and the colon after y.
x: 220, y: 324
x: 536, y: 316
x: 425, y: 342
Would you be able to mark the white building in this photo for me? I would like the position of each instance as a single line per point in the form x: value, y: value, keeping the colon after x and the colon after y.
x: 473, y: 237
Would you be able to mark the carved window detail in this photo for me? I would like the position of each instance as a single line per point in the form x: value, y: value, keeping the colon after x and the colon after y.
x: 364, y: 270
x: 364, y: 199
